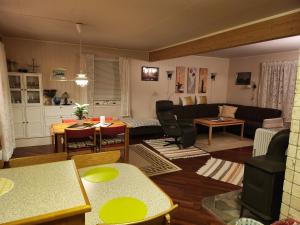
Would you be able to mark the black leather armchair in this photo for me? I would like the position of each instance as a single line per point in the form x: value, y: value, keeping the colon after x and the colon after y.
x: 184, y: 134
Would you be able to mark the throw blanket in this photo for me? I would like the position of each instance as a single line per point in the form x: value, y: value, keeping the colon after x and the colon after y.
x: 131, y: 122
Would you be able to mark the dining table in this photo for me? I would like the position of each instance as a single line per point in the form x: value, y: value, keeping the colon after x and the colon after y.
x: 121, y: 193
x: 50, y: 193
x: 58, y: 131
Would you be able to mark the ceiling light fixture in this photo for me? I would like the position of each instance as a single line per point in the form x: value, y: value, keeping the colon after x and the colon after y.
x: 81, y: 78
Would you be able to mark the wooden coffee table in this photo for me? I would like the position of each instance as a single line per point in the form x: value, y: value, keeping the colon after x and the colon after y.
x: 213, y: 122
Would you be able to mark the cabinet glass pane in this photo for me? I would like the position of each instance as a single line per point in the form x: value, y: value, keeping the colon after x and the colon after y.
x: 32, y: 82
x: 16, y: 97
x: 33, y: 97
x: 14, y: 81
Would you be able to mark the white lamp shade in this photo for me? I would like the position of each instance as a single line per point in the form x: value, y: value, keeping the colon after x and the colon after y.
x: 81, y: 80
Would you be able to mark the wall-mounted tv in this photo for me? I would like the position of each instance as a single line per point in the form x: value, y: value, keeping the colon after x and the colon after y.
x: 243, y: 78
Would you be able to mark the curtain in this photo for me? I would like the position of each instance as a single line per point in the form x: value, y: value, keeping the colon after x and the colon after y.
x: 6, y: 124
x: 277, y: 86
x: 124, y: 67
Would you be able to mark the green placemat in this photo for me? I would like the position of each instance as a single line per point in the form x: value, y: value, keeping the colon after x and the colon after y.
x: 6, y: 185
x: 101, y: 174
x: 123, y: 210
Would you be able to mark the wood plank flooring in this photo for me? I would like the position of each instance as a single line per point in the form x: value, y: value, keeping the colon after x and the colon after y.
x: 185, y: 187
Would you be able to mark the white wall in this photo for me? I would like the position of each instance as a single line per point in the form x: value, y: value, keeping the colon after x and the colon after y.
x: 144, y: 94
x: 239, y: 94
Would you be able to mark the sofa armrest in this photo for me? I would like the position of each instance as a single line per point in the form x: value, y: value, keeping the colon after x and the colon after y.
x: 273, y: 123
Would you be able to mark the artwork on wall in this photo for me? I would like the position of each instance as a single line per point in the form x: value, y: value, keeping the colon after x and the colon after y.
x: 180, y: 79
x: 150, y: 73
x: 191, y: 80
x: 202, y: 86
x: 243, y: 78
x: 59, y: 74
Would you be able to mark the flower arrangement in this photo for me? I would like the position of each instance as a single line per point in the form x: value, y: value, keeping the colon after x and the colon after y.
x: 81, y: 111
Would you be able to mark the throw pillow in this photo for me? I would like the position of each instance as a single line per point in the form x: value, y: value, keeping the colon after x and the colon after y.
x: 227, y: 111
x: 273, y: 123
x: 201, y: 100
x: 188, y: 100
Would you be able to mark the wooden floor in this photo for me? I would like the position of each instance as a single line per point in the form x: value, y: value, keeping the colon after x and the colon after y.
x: 185, y: 187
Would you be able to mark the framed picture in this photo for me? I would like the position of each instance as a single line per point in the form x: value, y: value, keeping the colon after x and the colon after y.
x: 202, y: 86
x: 180, y: 79
x: 191, y: 80
x: 243, y: 78
x: 59, y: 74
x: 150, y: 73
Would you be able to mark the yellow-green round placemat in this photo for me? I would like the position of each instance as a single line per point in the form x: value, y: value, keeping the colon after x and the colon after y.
x: 101, y: 174
x: 123, y: 210
x: 6, y: 185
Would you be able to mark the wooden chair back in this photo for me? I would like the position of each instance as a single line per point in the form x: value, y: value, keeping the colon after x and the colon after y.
x: 163, y: 218
x: 1, y: 164
x: 94, y: 159
x: 80, y: 133
x: 68, y: 121
x: 39, y: 159
x: 111, y: 131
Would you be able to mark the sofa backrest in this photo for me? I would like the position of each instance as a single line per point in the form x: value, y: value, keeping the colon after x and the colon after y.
x: 250, y: 113
x: 253, y: 113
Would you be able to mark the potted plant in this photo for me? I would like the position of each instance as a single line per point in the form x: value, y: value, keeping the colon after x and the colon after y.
x: 81, y: 111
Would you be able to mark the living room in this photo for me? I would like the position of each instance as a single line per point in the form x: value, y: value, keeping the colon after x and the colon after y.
x: 132, y: 85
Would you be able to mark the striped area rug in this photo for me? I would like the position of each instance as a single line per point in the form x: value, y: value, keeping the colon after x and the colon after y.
x: 172, y: 151
x: 222, y: 170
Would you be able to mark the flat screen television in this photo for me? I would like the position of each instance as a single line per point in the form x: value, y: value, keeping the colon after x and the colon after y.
x: 243, y: 78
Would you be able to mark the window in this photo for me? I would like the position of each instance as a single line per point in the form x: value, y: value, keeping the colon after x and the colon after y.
x: 106, y: 80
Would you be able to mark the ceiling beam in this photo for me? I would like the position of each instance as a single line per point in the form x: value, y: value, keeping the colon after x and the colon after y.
x: 275, y: 28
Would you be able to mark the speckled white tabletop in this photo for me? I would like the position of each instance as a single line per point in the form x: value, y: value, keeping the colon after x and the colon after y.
x: 39, y: 190
x: 131, y: 182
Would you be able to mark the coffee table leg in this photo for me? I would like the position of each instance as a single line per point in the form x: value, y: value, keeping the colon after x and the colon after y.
x: 209, y: 135
x: 242, y: 131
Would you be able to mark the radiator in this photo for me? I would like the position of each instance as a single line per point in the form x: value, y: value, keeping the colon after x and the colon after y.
x: 262, y: 139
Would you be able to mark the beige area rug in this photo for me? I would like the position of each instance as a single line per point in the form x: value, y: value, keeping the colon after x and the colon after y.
x: 222, y: 170
x: 150, y: 162
x: 173, y: 151
x: 222, y: 141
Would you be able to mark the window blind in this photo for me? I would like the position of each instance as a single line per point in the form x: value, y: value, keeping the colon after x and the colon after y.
x: 106, y: 80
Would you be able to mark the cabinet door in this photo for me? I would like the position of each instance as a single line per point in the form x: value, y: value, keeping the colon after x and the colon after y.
x: 34, y: 122
x: 19, y: 121
x: 33, y: 89
x: 16, y: 88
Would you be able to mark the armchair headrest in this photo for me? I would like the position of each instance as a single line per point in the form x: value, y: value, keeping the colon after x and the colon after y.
x: 278, y: 145
x: 164, y: 105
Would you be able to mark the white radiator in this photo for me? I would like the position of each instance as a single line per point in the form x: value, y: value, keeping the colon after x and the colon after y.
x: 262, y: 139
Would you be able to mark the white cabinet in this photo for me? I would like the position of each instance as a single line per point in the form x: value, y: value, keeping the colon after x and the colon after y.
x: 25, y: 88
x: 55, y: 114
x: 26, y: 99
x: 28, y: 121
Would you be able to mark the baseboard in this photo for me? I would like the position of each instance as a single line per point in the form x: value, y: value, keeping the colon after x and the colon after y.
x: 27, y: 142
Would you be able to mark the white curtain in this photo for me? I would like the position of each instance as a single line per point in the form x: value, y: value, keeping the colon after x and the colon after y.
x: 124, y: 67
x: 6, y: 124
x: 277, y: 86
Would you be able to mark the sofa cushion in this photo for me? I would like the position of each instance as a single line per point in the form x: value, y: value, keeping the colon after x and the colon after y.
x: 227, y: 111
x: 188, y: 100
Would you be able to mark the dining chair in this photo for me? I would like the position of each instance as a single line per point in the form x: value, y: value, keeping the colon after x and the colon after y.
x: 68, y: 120
x: 1, y: 164
x: 78, y: 139
x: 38, y: 159
x: 96, y: 158
x: 163, y: 218
x: 113, y: 138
